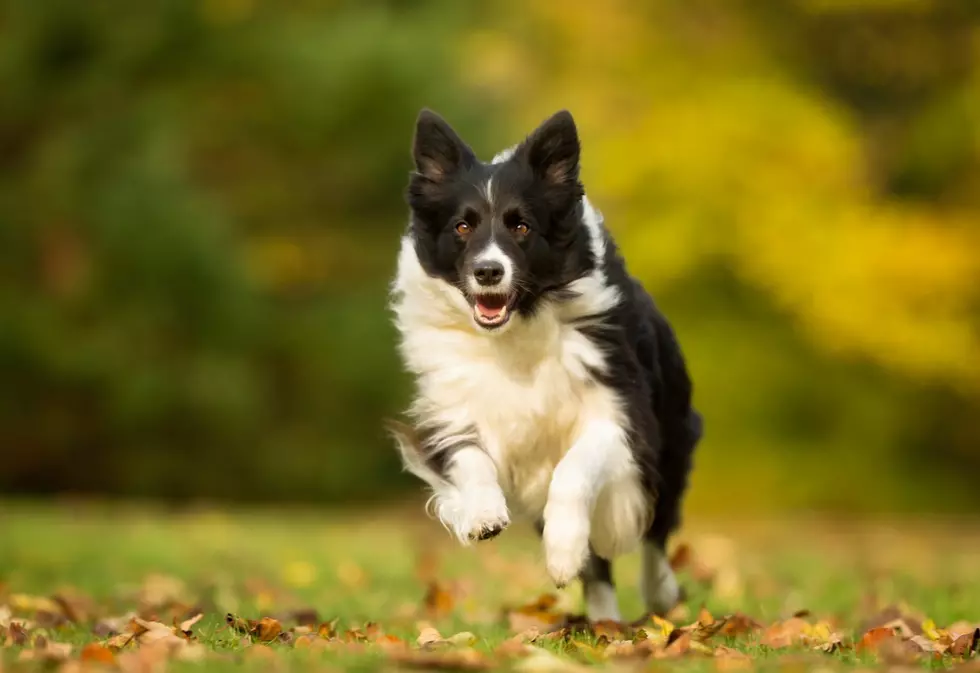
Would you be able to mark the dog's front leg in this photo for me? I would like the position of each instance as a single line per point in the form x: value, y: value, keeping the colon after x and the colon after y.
x: 472, y: 505
x: 466, y: 495
x: 597, y: 457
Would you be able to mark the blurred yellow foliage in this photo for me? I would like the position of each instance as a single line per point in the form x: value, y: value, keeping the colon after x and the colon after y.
x: 699, y: 146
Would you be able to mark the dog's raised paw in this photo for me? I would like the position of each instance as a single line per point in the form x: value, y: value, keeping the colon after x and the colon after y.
x: 491, y: 531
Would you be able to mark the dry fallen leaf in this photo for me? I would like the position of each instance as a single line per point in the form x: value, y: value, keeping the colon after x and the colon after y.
x: 27, y: 604
x: 327, y: 629
x: 98, y: 654
x: 428, y: 636
x: 739, y: 624
x: 537, y: 615
x: 965, y: 645
x: 461, y: 660
x: 619, y: 649
x: 185, y: 626
x: 266, y: 629
x: 47, y: 652
x: 784, y: 634
x: 872, y: 640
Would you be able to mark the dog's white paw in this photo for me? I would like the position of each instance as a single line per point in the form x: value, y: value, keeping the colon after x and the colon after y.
x: 566, y: 541
x: 658, y: 584
x: 477, y: 513
x: 600, y: 602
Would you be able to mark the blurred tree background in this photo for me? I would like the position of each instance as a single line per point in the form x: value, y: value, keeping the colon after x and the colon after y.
x: 200, y: 204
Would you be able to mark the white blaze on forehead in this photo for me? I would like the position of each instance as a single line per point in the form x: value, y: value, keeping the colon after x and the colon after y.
x: 499, y: 158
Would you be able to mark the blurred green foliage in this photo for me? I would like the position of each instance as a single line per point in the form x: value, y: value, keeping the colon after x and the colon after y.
x: 200, y: 203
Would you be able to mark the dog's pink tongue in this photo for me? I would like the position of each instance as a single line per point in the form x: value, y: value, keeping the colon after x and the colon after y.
x: 489, y: 311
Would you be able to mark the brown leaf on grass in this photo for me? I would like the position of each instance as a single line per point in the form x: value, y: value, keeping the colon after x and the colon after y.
x: 17, y: 634
x: 237, y: 624
x: 516, y: 646
x: 438, y: 600
x: 926, y: 646
x: 891, y: 615
x: 142, y: 660
x: 97, y: 654
x: 897, y: 651
x: 387, y: 641
x: 703, y: 631
x: 313, y: 643
x: 458, y: 660
x: 356, y: 635
x: 901, y: 627
x: 327, y: 629
x: 428, y: 636
x: 153, y: 633
x: 621, y: 649
x: 785, y: 634
x: 965, y: 645
x: 27, y: 604
x: 47, y: 652
x: 185, y: 626
x: 537, y: 615
x: 112, y: 626
x: 957, y: 629
x: 149, y: 633
x: 266, y: 629
x: 872, y: 640
x: 739, y: 624
x: 610, y: 630
x: 679, y: 645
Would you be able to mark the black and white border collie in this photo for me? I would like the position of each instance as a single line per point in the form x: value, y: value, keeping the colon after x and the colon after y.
x: 548, y: 383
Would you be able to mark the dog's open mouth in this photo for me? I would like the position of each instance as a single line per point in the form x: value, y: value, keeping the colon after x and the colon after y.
x: 492, y: 310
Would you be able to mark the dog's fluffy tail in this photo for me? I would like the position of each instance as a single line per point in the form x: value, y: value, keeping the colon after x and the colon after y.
x: 413, y: 457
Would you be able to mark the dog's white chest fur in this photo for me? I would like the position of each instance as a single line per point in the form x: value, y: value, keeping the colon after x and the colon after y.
x: 523, y: 392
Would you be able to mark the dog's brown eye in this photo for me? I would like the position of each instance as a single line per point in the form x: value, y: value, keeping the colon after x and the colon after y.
x: 522, y: 228
x: 462, y: 228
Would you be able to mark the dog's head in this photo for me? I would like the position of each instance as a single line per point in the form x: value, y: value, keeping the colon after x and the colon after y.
x: 506, y: 233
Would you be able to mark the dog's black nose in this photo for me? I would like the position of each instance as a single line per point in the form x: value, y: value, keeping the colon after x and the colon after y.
x: 488, y: 273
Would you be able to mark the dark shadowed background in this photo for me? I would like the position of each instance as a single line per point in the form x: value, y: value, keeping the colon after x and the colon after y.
x: 200, y: 204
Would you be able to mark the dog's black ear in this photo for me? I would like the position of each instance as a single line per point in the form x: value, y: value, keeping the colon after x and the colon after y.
x: 552, y: 150
x: 437, y: 149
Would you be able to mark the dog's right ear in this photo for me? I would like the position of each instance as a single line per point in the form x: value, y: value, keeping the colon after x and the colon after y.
x: 437, y: 149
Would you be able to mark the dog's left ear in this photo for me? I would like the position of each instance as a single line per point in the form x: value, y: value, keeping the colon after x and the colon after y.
x: 552, y: 151
x: 438, y: 151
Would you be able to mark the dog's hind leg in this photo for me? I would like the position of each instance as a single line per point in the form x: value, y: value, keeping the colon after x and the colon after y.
x: 658, y: 585
x: 599, y: 590
x: 598, y: 587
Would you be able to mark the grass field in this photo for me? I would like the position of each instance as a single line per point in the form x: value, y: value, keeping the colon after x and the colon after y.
x: 367, y: 585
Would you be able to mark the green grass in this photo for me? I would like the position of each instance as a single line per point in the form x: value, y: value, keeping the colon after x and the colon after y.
x: 366, y: 568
